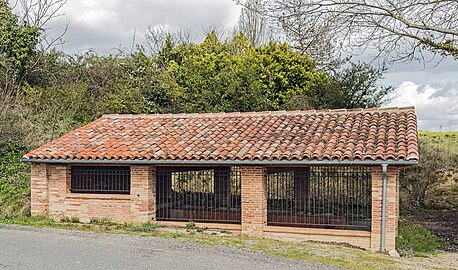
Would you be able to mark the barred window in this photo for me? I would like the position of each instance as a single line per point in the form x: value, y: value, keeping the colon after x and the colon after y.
x: 100, y: 179
x: 202, y: 194
x: 320, y: 197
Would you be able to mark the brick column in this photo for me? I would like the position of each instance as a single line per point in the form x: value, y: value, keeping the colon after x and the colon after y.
x: 391, y: 208
x: 254, y: 200
x: 39, y: 190
x: 143, y: 192
x: 59, y: 186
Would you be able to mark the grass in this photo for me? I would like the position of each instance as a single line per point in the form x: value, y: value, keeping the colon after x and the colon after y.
x: 442, y: 134
x: 328, y: 254
x: 35, y: 221
x: 73, y: 223
x: 446, y: 140
x: 142, y: 227
x: 414, y: 240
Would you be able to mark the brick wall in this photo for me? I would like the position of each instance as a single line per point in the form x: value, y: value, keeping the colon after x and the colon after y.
x: 39, y: 194
x: 254, y: 200
x: 143, y: 192
x: 392, y: 205
x: 50, y: 195
x: 356, y: 238
x: 254, y: 214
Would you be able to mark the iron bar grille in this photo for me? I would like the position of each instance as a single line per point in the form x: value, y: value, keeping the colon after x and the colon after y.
x: 202, y: 194
x: 98, y: 179
x: 320, y: 197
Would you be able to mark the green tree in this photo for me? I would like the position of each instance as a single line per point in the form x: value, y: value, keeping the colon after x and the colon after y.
x: 236, y: 76
x: 354, y: 86
x: 286, y: 74
x: 18, y: 41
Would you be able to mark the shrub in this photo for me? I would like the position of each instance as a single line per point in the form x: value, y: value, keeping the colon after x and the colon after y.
x: 432, y: 183
x: 414, y: 240
x: 14, y: 180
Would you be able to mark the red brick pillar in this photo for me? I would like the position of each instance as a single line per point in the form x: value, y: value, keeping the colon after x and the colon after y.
x: 39, y: 189
x: 391, y: 208
x: 143, y: 192
x: 254, y: 200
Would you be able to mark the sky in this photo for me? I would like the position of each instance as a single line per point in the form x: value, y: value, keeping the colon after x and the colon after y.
x: 105, y: 25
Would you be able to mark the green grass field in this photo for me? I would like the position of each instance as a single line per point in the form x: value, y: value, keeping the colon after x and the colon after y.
x: 442, y: 139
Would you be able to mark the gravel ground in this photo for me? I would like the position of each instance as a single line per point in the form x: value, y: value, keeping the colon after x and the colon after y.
x: 31, y: 248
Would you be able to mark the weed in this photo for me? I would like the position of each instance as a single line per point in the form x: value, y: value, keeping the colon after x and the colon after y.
x: 102, y: 221
x: 74, y: 219
x: 142, y: 227
x: 65, y: 219
x: 190, y: 226
x: 202, y: 230
x: 177, y: 235
x: 414, y: 240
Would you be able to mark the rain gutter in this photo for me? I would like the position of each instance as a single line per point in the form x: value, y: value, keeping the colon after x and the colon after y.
x: 221, y: 162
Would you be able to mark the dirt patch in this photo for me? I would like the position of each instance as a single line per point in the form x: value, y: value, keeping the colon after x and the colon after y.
x: 444, y: 224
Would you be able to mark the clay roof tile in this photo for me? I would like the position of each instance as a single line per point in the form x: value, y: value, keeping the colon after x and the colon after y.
x: 389, y: 133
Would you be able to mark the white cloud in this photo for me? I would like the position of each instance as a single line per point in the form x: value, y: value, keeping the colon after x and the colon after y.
x: 103, y: 25
x: 436, y: 107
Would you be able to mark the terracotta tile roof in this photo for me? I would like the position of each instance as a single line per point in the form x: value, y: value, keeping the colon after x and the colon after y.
x: 361, y: 134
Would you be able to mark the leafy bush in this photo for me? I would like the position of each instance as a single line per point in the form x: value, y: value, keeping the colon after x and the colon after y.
x: 14, y: 180
x: 414, y: 240
x: 433, y: 183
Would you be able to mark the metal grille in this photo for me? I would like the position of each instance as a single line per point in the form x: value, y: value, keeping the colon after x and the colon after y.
x: 203, y: 194
x: 320, y: 197
x: 97, y: 179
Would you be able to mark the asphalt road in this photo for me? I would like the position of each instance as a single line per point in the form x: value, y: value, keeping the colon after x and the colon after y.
x: 30, y: 248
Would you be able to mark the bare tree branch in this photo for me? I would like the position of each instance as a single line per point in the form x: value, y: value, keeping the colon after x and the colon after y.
x: 399, y: 30
x: 39, y: 13
x: 253, y: 23
x: 157, y: 35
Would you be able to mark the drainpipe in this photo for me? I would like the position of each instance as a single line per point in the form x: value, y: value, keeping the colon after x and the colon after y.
x: 384, y: 189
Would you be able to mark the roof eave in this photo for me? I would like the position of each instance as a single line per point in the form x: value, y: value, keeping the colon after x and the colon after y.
x: 222, y: 162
